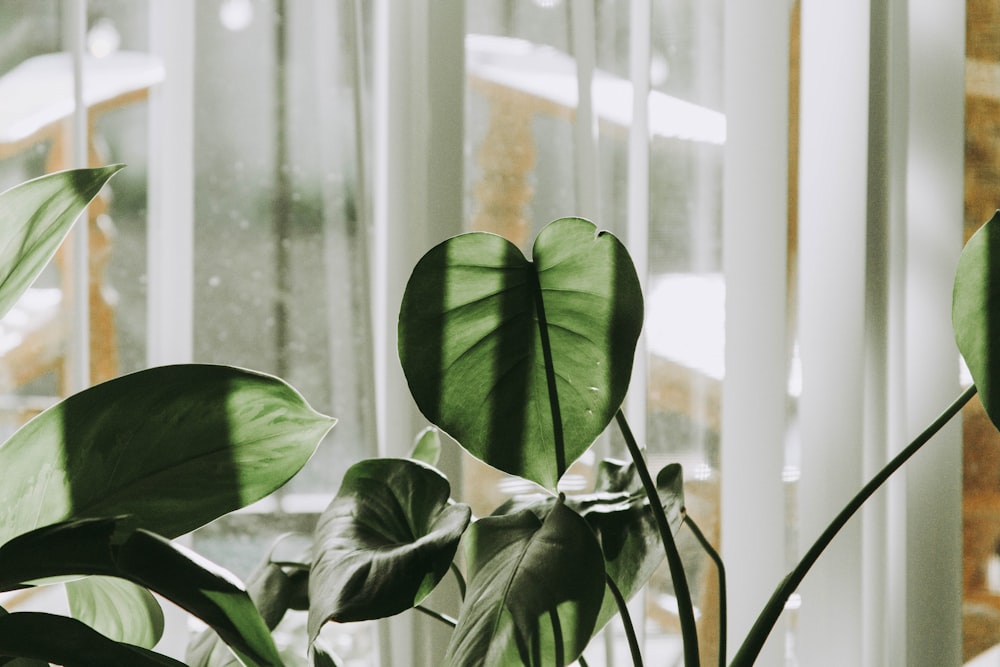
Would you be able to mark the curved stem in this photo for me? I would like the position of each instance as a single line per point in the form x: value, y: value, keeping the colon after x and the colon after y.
x: 765, y: 622
x: 444, y: 618
x: 633, y: 641
x: 459, y: 579
x: 685, y: 609
x: 721, y: 570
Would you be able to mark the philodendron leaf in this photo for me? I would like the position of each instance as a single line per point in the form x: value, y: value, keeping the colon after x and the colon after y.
x: 534, y: 594
x: 274, y: 589
x: 34, y: 218
x: 116, y: 608
x: 523, y: 362
x: 384, y: 543
x: 111, y: 547
x: 618, y: 512
x: 427, y: 446
x: 975, y: 312
x: 174, y: 446
x: 69, y: 642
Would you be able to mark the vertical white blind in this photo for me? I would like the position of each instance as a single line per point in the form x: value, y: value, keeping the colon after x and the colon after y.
x: 832, y: 240
x: 755, y: 228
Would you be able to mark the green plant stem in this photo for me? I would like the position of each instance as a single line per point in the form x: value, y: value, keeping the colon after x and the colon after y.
x: 633, y: 641
x: 459, y: 579
x: 582, y: 662
x: 444, y: 618
x: 685, y: 609
x: 721, y: 569
x: 768, y: 617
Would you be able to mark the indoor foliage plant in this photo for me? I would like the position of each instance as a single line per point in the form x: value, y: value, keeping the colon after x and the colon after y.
x: 523, y: 362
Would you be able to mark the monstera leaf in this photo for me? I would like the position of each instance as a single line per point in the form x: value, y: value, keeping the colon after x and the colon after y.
x: 535, y: 591
x: 618, y: 512
x: 34, y: 218
x: 976, y: 312
x: 523, y: 362
x: 175, y: 446
x: 113, y: 547
x: 384, y: 543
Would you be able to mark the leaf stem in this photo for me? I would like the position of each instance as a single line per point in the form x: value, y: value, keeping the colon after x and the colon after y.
x: 459, y: 580
x: 721, y: 569
x: 685, y: 609
x: 768, y: 617
x: 633, y: 641
x: 444, y: 618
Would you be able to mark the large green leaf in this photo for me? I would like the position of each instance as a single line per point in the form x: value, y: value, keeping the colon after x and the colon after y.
x: 175, y: 446
x: 619, y: 513
x: 111, y: 547
x: 528, y: 577
x: 117, y: 608
x: 976, y: 311
x: 524, y: 363
x: 69, y: 642
x: 34, y: 218
x: 384, y: 543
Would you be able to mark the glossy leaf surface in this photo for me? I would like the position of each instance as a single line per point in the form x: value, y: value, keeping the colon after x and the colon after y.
x: 528, y: 577
x: 618, y: 512
x: 116, y: 608
x: 111, y: 547
x: 976, y: 312
x: 69, y: 642
x: 174, y: 446
x: 274, y: 590
x: 523, y: 362
x: 427, y: 446
x: 34, y: 218
x: 384, y: 543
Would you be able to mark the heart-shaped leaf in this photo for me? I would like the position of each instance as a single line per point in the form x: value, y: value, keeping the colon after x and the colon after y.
x: 384, y: 543
x: 116, y: 608
x: 67, y: 641
x: 175, y: 447
x: 618, y: 512
x: 111, y: 547
x: 524, y: 363
x: 975, y: 311
x: 535, y: 591
x: 34, y: 218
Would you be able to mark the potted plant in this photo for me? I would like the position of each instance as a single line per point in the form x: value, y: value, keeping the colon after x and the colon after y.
x: 523, y: 362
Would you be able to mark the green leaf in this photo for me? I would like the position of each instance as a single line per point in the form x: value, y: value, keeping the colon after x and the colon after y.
x: 69, y: 642
x: 175, y: 446
x: 34, y: 218
x: 274, y: 589
x: 427, y: 446
x: 527, y: 576
x: 111, y: 547
x: 976, y: 311
x: 384, y: 543
x: 618, y: 512
x: 523, y: 363
x: 117, y: 609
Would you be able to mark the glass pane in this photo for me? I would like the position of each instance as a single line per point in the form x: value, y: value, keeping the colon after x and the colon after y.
x: 280, y: 269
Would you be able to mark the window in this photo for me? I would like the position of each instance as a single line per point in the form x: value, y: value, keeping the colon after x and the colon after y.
x: 787, y: 195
